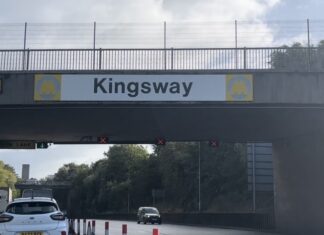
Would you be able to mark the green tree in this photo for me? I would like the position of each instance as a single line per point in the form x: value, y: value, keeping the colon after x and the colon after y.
x: 8, y: 177
x: 74, y: 174
x: 70, y: 171
x: 178, y: 166
x: 114, y: 183
x: 223, y: 174
x: 125, y: 178
x: 121, y: 178
x: 298, y: 58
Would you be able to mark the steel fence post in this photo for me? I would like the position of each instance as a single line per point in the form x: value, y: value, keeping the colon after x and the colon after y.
x: 308, y: 47
x: 171, y: 58
x: 100, y: 55
x: 25, y: 41
x: 94, y: 45
x: 244, y: 57
x: 27, y: 63
x: 165, y: 52
x: 236, y: 44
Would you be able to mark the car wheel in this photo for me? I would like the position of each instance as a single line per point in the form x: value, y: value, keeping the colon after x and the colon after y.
x: 138, y: 222
x: 144, y: 222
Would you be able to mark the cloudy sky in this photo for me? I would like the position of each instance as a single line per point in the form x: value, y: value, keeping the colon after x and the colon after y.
x: 45, y: 162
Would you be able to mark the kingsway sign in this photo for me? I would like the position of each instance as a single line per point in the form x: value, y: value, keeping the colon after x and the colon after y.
x: 72, y: 87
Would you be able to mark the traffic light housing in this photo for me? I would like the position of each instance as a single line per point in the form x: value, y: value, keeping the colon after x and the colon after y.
x: 42, y: 145
x: 160, y: 141
x: 102, y: 140
x: 214, y: 143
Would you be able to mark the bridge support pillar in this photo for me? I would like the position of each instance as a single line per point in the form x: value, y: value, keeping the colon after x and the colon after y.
x: 299, y: 185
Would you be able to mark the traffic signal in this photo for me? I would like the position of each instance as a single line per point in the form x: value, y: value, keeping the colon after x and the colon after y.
x: 42, y: 145
x: 214, y: 143
x: 103, y: 140
x: 160, y: 141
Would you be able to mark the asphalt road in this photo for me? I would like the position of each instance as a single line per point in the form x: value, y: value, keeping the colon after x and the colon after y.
x: 115, y: 228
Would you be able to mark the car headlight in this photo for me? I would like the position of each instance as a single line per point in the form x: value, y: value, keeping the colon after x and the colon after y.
x: 147, y: 216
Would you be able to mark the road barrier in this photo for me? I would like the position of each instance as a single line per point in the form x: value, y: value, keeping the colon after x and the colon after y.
x: 71, y: 226
x: 93, y: 230
x: 156, y: 231
x: 124, y: 229
x: 78, y: 227
x: 84, y: 226
x: 106, y: 228
x: 89, y: 229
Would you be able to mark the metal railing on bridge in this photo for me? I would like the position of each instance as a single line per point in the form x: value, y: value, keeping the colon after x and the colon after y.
x: 272, y: 58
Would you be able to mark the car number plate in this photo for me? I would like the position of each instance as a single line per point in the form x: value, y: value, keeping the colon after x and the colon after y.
x: 31, y: 233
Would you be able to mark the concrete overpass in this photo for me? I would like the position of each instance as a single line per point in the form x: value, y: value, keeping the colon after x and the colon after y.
x: 287, y: 109
x: 41, y: 185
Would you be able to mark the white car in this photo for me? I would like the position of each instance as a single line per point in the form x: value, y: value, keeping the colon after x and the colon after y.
x: 33, y: 216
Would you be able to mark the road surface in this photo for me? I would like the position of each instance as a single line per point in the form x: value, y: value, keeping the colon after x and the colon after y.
x: 115, y: 228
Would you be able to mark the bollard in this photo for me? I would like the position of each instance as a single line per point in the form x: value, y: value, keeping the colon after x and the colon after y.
x: 156, y: 231
x: 71, y: 226
x: 84, y: 227
x: 106, y: 228
x: 89, y: 229
x: 124, y: 229
x: 93, y: 227
x: 78, y: 227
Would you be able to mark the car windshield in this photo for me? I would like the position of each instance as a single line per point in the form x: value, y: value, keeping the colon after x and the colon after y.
x: 25, y: 208
x: 151, y: 211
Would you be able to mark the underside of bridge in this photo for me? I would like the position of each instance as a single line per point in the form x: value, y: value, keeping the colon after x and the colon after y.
x: 143, y: 123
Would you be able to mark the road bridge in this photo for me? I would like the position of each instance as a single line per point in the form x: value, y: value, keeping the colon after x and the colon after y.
x: 65, y: 96
x: 40, y: 185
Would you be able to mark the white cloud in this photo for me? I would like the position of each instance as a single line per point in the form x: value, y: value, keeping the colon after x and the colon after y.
x: 219, y: 32
x: 219, y: 10
x: 132, y: 10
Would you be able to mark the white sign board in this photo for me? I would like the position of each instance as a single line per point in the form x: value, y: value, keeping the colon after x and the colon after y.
x: 85, y: 87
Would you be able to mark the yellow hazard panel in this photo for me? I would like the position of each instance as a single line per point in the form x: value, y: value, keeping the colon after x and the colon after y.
x: 239, y: 87
x: 47, y: 87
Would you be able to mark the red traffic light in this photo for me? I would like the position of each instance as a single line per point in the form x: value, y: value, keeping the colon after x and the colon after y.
x: 102, y: 140
x: 214, y: 143
x: 160, y: 141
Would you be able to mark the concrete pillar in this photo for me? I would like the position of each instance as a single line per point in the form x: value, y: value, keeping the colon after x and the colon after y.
x: 299, y: 184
